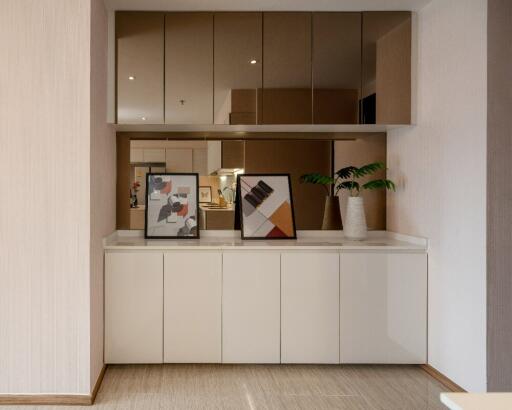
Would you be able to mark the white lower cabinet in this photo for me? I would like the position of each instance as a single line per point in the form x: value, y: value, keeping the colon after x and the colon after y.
x: 250, y: 307
x: 192, y: 307
x: 383, y: 312
x: 310, y: 307
x: 133, y: 307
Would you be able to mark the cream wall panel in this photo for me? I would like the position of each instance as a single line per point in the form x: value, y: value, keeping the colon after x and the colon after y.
x: 45, y: 173
x: 440, y: 167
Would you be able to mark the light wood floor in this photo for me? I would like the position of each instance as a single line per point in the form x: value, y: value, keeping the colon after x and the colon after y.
x: 264, y: 387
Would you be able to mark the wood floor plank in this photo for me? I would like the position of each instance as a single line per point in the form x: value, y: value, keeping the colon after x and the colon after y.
x: 264, y: 387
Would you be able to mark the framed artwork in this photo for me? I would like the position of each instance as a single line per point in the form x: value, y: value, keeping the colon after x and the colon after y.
x: 205, y: 194
x: 172, y: 206
x: 266, y: 206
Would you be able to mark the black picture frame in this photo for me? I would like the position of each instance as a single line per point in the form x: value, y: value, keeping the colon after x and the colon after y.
x: 170, y: 174
x: 240, y: 211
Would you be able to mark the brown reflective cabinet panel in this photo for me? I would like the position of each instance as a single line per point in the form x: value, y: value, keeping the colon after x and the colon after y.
x: 287, y: 96
x: 237, y: 67
x: 386, y: 74
x: 189, y: 68
x: 140, y: 67
x: 336, y: 67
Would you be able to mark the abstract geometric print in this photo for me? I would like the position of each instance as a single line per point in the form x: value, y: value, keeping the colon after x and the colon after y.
x: 171, y: 206
x: 266, y: 206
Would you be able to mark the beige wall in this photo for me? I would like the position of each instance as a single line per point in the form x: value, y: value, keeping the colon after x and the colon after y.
x: 103, y: 178
x: 45, y: 175
x: 440, y: 165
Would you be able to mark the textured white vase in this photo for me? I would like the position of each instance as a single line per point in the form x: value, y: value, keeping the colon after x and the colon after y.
x: 354, y: 225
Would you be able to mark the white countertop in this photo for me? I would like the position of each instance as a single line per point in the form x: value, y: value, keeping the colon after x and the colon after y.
x: 477, y: 401
x: 229, y: 240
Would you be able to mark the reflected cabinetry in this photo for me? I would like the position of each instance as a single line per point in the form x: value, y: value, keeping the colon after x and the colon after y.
x: 249, y: 68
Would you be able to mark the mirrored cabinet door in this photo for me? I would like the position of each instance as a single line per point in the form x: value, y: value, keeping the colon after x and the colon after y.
x: 287, y: 96
x: 140, y: 67
x: 237, y: 67
x: 336, y: 67
x: 189, y: 68
x: 386, y: 74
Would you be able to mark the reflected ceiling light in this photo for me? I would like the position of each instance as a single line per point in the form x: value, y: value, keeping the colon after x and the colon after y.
x: 131, y: 77
x: 253, y: 61
x: 143, y: 118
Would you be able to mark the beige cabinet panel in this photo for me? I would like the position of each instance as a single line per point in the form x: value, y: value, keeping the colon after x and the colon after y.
x: 136, y: 155
x: 310, y: 307
x: 383, y: 308
x: 237, y: 67
x: 140, y: 67
x: 192, y: 311
x: 133, y: 307
x: 336, y: 67
x: 287, y: 97
x: 179, y: 159
x: 200, y: 161
x: 154, y: 154
x: 250, y: 307
x: 189, y: 68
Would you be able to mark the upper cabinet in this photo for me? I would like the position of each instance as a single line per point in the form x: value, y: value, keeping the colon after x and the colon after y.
x: 237, y: 67
x: 189, y: 68
x: 386, y: 74
x: 140, y: 67
x: 287, y: 97
x: 336, y: 67
x: 251, y: 68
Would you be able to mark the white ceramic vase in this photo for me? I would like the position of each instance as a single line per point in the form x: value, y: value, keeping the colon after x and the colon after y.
x: 354, y: 224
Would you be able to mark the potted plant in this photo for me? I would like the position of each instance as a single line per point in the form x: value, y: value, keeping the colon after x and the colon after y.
x: 347, y: 178
x: 332, y: 214
x: 355, y: 219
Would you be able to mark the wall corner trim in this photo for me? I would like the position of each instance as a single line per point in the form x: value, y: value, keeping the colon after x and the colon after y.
x: 54, y: 399
x: 441, y: 378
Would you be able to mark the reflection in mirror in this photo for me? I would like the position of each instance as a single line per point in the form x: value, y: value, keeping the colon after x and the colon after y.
x: 386, y: 76
x: 218, y: 162
x: 286, y: 95
x: 336, y: 67
x: 237, y: 67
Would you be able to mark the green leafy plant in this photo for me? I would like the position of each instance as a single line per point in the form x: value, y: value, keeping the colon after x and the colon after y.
x: 347, y: 178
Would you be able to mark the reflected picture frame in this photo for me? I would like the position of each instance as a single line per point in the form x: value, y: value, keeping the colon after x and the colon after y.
x: 205, y: 194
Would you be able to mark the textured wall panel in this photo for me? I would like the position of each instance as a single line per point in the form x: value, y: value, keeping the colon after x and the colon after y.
x: 440, y: 165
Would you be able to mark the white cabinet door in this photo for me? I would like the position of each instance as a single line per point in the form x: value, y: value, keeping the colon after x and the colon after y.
x: 154, y: 155
x: 178, y: 160
x: 192, y: 307
x: 136, y: 155
x: 250, y: 307
x: 383, y: 312
x: 133, y: 307
x: 310, y: 307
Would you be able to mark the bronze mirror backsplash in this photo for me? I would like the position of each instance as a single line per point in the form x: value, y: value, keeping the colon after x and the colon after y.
x: 219, y: 161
